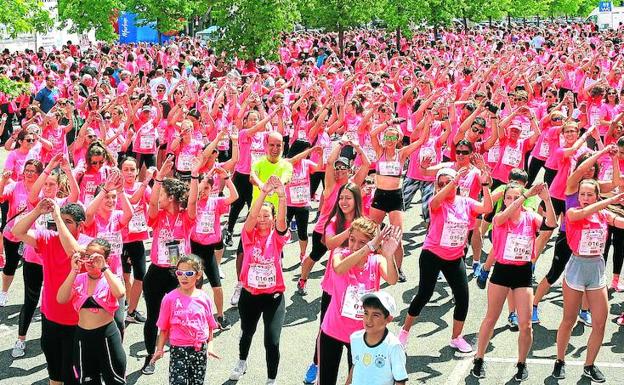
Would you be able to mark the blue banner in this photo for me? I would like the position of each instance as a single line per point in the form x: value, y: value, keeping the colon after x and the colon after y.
x: 130, y: 32
x: 604, y: 6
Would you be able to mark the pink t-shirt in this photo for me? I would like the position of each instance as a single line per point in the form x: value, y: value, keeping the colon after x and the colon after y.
x: 137, y: 229
x: 185, y: 155
x: 102, y: 294
x: 431, y: 148
x: 207, y: 225
x: 327, y: 283
x: 15, y: 163
x: 326, y: 209
x: 587, y: 237
x: 109, y: 229
x: 56, y: 136
x: 345, y: 312
x: 145, y: 140
x: 298, y: 189
x: 30, y: 255
x: 189, y: 319
x: 56, y: 268
x: 511, y: 155
x: 261, y: 272
x: 513, y: 243
x: 17, y: 196
x: 565, y: 165
x: 250, y: 150
x: 168, y: 228
x: 449, y: 226
x: 88, y: 184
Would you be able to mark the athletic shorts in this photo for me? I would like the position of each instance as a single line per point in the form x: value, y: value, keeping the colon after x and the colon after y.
x: 512, y: 276
x: 388, y: 200
x: 583, y: 273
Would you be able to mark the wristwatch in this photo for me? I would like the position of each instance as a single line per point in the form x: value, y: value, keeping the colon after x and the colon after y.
x: 104, y: 269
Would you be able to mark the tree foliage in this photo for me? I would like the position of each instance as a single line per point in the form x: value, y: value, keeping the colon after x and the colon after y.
x: 168, y: 15
x: 22, y: 16
x: 12, y: 88
x: 86, y: 15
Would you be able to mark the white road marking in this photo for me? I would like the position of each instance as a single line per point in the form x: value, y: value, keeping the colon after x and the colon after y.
x: 459, y: 372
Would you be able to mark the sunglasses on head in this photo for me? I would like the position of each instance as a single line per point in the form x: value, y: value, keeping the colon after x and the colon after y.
x: 188, y: 273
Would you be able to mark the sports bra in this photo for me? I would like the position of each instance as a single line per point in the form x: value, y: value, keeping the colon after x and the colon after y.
x: 91, y: 304
x: 386, y: 167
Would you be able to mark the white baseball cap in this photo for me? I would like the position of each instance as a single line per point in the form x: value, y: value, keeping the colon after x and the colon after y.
x: 386, y: 300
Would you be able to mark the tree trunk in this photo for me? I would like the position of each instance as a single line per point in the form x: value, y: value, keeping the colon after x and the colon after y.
x: 435, y: 32
x: 508, y: 19
x: 398, y: 39
x: 538, y: 20
x: 490, y: 21
x: 341, y: 40
x: 524, y: 21
x: 464, y: 20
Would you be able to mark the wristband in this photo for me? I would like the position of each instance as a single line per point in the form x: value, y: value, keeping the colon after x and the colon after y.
x: 485, y: 184
x: 104, y: 269
x: 157, y: 180
x: 195, y: 177
x: 46, y: 172
x: 370, y: 245
x: 523, y: 196
x: 105, y: 190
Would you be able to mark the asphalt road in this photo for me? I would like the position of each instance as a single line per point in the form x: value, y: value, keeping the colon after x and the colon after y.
x: 430, y: 359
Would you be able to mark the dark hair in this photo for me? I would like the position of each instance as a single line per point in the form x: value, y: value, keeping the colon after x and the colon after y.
x: 298, y: 147
x: 36, y: 163
x: 518, y: 174
x: 97, y: 148
x: 196, y: 265
x: 583, y: 158
x: 465, y: 143
x: 480, y: 121
x: 103, y: 243
x: 75, y: 211
x: 375, y: 303
x: 177, y: 189
x: 510, y: 185
x: 620, y: 141
x: 337, y: 212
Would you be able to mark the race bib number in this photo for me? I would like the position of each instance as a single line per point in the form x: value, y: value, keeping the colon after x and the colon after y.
x: 526, y: 130
x: 454, y: 234
x: 544, y: 149
x: 261, y: 276
x: 205, y: 225
x: 299, y: 194
x: 352, y: 303
x: 137, y: 224
x: 370, y: 154
x: 512, y: 156
x: 147, y: 142
x: 518, y: 248
x: 302, y: 134
x: 426, y: 153
x: 493, y: 154
x: 390, y: 168
x: 326, y: 153
x: 115, y: 241
x: 185, y: 162
x: 256, y: 155
x: 592, y: 242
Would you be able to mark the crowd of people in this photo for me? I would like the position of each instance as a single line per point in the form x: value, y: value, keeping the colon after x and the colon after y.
x: 118, y: 145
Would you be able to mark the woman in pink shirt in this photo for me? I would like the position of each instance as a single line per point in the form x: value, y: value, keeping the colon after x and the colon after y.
x: 94, y: 291
x: 24, y: 150
x: 187, y: 323
x: 263, y: 237
x: 452, y: 215
x: 586, y: 229
x: 357, y: 270
x: 513, y: 250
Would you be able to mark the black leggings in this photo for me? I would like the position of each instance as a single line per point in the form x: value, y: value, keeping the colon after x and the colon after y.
x: 33, y: 278
x: 12, y: 256
x: 455, y: 274
x: 245, y: 191
x: 330, y: 355
x: 272, y: 308
x: 325, y: 300
x: 561, y: 256
x: 99, y: 352
x: 158, y: 282
x: 133, y: 259
x: 149, y: 160
x: 207, y: 254
x: 615, y: 237
x: 534, y: 168
x: 57, y: 344
x: 302, y: 216
x: 549, y: 175
x: 318, y: 247
x: 315, y: 181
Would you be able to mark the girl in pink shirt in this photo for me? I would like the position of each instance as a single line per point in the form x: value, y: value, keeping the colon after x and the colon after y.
x: 186, y: 321
x: 357, y: 270
x: 452, y: 215
x: 513, y: 248
x: 263, y: 238
x: 98, y: 162
x: 586, y: 229
x: 94, y: 294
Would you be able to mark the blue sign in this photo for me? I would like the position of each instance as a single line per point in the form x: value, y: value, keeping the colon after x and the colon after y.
x: 130, y: 32
x: 604, y: 6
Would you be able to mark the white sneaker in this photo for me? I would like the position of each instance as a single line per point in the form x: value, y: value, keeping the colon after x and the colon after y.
x: 221, y: 274
x: 239, y: 370
x: 19, y: 349
x: 271, y: 382
x: 236, y: 294
x: 4, y: 298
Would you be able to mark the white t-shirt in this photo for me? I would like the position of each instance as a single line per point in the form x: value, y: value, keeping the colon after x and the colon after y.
x: 382, y: 364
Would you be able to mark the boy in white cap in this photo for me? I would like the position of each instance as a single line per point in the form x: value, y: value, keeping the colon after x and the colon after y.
x: 378, y: 357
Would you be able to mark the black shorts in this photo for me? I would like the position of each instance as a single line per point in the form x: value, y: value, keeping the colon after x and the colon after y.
x: 318, y: 247
x: 388, y: 200
x: 57, y: 344
x: 512, y: 276
x: 207, y: 254
x: 133, y: 259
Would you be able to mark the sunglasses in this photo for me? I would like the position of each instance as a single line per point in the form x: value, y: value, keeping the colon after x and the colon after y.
x: 462, y: 152
x: 519, y: 100
x: 189, y: 273
x: 340, y: 168
x: 91, y: 136
x: 476, y: 129
x: 96, y: 162
x: 611, y: 93
x: 160, y: 91
x: 557, y: 119
x: 30, y: 171
x: 391, y: 137
x: 30, y: 140
x: 106, y: 118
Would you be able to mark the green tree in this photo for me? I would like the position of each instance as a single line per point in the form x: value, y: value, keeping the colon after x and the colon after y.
x: 252, y: 28
x: 86, y: 15
x: 22, y: 16
x: 401, y: 16
x: 168, y: 15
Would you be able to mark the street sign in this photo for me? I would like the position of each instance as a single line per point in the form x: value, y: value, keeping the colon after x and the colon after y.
x: 604, y: 6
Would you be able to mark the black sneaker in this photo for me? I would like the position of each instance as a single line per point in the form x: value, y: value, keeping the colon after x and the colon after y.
x: 594, y: 373
x: 559, y: 370
x: 227, y: 238
x: 135, y: 317
x: 522, y: 374
x: 148, y: 367
x: 402, y: 277
x: 478, y: 370
x: 224, y: 324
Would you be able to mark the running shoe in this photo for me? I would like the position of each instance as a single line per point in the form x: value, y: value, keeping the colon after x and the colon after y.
x: 460, y: 344
x: 402, y: 277
x: 4, y: 298
x: 620, y: 320
x: 403, y: 338
x: 301, y: 287
x: 615, y: 284
x: 585, y: 318
x: 19, y: 349
x: 522, y: 374
x: 221, y: 273
x: 148, y: 367
x: 592, y: 372
x: 293, y: 225
x: 535, y: 316
x: 239, y: 370
x: 227, y: 238
x: 135, y: 317
x: 271, y: 382
x: 236, y: 295
x: 512, y: 321
x: 559, y: 370
x: 223, y: 322
x: 478, y: 368
x: 476, y: 269
x: 310, y: 375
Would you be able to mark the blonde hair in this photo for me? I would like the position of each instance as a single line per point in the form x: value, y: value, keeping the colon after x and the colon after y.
x: 366, y: 226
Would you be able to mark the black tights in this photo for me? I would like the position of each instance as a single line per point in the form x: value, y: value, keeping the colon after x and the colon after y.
x: 99, y: 352
x: 245, y: 192
x: 158, y: 282
x: 330, y: 355
x: 272, y: 308
x: 33, y: 278
x: 455, y: 274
